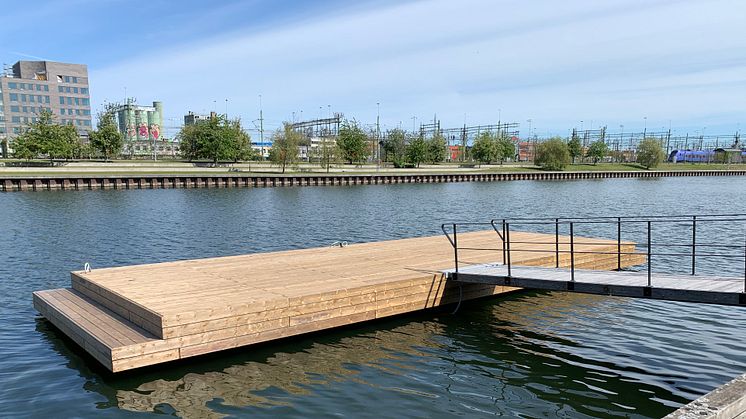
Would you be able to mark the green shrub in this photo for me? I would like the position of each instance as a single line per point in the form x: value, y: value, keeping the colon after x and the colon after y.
x: 650, y: 153
x: 552, y: 154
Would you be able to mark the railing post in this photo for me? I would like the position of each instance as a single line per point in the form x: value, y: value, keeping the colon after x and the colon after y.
x: 650, y: 261
x: 694, y: 242
x: 744, y: 265
x: 504, y: 251
x: 556, y: 242
x: 455, y: 246
x: 572, y: 253
x: 507, y: 239
x: 619, y: 243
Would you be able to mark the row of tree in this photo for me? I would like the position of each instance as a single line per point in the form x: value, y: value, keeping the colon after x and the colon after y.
x: 220, y: 139
x: 403, y: 149
x: 44, y: 137
x: 353, y: 145
x: 556, y: 154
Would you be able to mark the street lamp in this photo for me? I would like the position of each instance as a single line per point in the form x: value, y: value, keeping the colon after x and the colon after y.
x: 378, y: 136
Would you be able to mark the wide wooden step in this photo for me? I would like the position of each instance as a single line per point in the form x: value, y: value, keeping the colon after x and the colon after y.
x: 136, y: 313
x: 110, y: 338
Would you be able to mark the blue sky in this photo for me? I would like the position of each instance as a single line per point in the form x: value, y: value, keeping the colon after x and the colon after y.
x: 611, y: 62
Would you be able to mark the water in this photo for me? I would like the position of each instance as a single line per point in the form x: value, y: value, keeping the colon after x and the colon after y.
x: 530, y: 354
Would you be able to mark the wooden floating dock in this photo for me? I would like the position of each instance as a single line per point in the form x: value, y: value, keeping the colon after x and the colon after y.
x: 250, y: 180
x: 130, y: 317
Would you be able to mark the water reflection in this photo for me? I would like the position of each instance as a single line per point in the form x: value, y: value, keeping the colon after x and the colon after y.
x: 536, y: 353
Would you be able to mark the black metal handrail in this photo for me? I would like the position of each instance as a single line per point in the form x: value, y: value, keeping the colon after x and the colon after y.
x: 698, y: 249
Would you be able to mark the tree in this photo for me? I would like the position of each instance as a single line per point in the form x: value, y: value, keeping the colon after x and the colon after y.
x: 106, y: 138
x: 597, y: 151
x: 504, y: 149
x: 552, y: 154
x: 24, y: 147
x: 45, y: 137
x: 484, y: 149
x: 575, y: 148
x: 352, y: 142
x: 285, y: 142
x: 326, y: 153
x: 417, y: 151
x: 216, y: 139
x: 650, y: 153
x: 395, y: 146
x: 436, y: 148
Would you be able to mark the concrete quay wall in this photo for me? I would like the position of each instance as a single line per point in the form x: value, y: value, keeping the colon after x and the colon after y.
x: 114, y: 181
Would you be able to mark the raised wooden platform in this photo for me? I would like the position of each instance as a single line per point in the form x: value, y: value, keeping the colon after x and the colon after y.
x: 130, y: 317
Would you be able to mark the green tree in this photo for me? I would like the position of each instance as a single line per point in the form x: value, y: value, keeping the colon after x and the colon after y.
x: 437, y: 148
x: 395, y: 146
x: 326, y: 153
x: 189, y: 141
x: 45, y: 137
x: 285, y: 142
x: 106, y: 138
x: 353, y: 142
x: 417, y: 151
x: 575, y: 148
x: 596, y: 151
x: 650, y: 153
x: 216, y: 139
x: 552, y: 154
x: 504, y: 149
x: 484, y: 149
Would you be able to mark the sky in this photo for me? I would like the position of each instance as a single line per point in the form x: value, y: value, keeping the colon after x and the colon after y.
x: 624, y: 64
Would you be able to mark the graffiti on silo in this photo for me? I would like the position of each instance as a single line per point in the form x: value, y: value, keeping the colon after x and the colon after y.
x: 140, y: 123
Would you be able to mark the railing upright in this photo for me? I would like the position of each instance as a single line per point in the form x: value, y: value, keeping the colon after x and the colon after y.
x: 507, y: 240
x: 455, y: 246
x: 572, y: 253
x: 744, y: 264
x: 694, y: 243
x: 619, y: 243
x: 504, y: 252
x: 556, y: 243
x: 650, y: 259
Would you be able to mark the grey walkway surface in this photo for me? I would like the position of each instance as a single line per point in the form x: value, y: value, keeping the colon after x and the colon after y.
x: 688, y: 288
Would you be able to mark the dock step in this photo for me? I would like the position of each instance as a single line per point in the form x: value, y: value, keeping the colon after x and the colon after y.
x: 126, y: 308
x: 110, y: 338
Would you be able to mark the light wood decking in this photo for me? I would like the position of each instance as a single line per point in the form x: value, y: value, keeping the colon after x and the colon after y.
x: 130, y: 317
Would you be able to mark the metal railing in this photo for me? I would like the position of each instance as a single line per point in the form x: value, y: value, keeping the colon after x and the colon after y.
x: 729, y: 228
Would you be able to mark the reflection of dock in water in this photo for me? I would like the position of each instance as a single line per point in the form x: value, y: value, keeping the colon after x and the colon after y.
x: 288, y: 373
x: 129, y: 317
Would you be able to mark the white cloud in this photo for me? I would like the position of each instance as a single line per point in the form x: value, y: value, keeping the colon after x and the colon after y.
x: 556, y: 62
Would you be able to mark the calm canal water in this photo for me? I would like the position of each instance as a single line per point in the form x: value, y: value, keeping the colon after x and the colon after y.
x: 529, y: 354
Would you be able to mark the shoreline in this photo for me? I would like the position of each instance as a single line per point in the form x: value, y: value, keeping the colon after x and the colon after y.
x: 87, y: 181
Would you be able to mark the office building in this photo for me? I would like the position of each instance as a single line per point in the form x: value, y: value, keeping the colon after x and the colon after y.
x: 29, y: 87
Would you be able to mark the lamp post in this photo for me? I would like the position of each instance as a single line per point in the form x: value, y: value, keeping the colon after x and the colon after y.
x: 378, y: 136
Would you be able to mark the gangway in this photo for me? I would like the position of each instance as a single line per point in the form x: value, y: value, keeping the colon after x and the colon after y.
x: 712, y: 249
